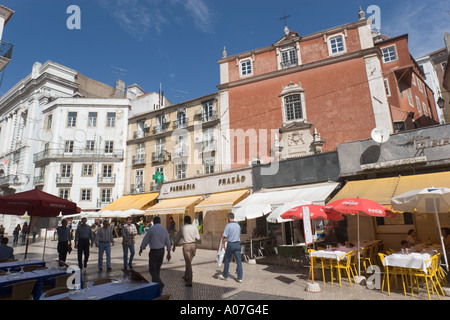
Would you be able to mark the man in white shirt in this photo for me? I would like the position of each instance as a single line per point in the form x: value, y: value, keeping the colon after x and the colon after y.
x: 189, y: 233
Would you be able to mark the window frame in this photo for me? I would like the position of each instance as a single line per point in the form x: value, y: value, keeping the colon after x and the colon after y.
x: 89, y: 122
x: 387, y: 48
x: 87, y: 196
x: 249, y: 65
x: 111, y: 121
x: 71, y: 119
x: 330, y: 44
x: 85, y: 173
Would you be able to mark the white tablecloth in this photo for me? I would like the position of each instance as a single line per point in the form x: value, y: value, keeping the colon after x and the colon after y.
x: 413, y: 260
x: 331, y: 254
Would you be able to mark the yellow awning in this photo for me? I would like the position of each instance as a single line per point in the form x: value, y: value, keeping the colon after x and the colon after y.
x: 222, y: 200
x: 173, y: 206
x: 383, y: 189
x: 132, y: 201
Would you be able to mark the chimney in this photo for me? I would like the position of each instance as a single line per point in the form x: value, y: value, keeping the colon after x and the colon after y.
x: 119, y: 92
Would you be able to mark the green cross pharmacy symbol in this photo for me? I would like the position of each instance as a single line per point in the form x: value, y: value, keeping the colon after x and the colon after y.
x: 158, y: 177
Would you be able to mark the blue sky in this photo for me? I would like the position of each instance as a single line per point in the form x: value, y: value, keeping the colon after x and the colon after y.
x: 176, y: 43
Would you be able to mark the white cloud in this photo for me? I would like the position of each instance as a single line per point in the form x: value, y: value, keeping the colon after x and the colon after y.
x: 424, y: 22
x: 145, y: 18
x: 200, y: 12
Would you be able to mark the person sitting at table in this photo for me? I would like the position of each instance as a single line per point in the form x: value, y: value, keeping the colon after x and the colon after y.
x: 6, y: 252
x: 446, y: 237
x: 404, y: 244
x: 298, y: 236
x: 411, y: 237
x: 330, y: 236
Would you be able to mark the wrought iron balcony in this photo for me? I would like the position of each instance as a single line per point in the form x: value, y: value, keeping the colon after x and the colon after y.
x: 8, y: 180
x: 209, y: 116
x: 138, y: 188
x: 55, y: 154
x: 38, y: 180
x: 102, y: 179
x: 159, y: 156
x: 138, y: 159
x: 64, y: 179
x: 180, y: 123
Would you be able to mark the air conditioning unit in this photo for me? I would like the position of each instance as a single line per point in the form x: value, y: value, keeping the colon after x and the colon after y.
x: 165, y: 120
x: 147, y: 125
x: 198, y: 139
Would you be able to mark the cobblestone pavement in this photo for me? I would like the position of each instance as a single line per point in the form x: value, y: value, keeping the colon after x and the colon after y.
x: 261, y: 281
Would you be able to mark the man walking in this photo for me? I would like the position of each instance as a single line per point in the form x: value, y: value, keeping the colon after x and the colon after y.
x: 104, y: 240
x: 232, y: 237
x: 63, y: 232
x: 189, y: 234
x: 129, y: 231
x: 156, y: 238
x: 83, y: 235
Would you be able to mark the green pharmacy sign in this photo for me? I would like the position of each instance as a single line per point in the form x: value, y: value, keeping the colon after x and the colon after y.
x: 158, y: 177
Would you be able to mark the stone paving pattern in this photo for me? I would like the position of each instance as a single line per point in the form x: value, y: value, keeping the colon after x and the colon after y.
x: 262, y: 281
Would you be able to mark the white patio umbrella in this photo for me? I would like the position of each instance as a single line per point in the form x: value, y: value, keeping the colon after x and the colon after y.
x: 275, y: 216
x: 426, y: 200
x: 251, y: 211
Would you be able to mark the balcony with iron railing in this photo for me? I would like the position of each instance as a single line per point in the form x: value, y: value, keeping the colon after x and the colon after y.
x: 106, y: 179
x: 137, y: 188
x: 38, y: 180
x: 8, y: 180
x: 210, y: 116
x: 159, y: 156
x: 180, y: 151
x: 64, y: 179
x: 160, y: 128
x: 180, y: 123
x: 81, y: 154
x: 138, y: 159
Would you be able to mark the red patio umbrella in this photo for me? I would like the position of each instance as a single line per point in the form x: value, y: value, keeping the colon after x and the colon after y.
x: 36, y: 203
x: 358, y: 207
x: 316, y: 212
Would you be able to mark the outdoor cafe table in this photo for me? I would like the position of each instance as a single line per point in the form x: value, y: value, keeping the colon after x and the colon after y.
x: 413, y: 260
x: 4, y: 266
x: 39, y: 275
x: 126, y: 290
x: 334, y: 253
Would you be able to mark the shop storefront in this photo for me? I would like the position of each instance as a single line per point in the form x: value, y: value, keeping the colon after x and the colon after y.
x: 206, y: 199
x: 408, y: 161
x: 393, y: 230
x: 311, y: 179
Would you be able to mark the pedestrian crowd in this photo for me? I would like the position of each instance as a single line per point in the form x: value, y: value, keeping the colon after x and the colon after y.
x: 158, y: 239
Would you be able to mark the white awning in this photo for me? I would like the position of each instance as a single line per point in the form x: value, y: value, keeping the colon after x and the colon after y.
x: 258, y: 203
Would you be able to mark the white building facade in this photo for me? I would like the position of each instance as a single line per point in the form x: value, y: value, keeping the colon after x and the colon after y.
x: 54, y: 124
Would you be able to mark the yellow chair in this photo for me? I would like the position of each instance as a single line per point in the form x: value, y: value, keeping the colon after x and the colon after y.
x: 344, y: 262
x: 324, y: 263
x: 393, y: 272
x: 366, y: 259
x: 430, y: 274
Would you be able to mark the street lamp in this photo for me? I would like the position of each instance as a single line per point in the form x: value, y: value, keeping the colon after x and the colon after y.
x: 441, y: 103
